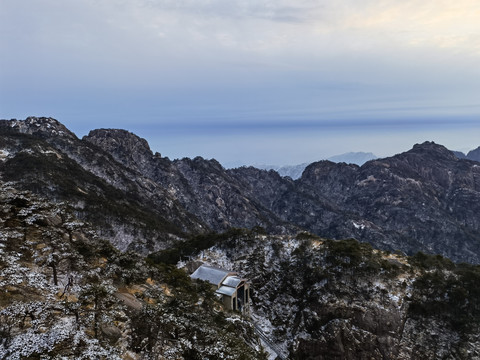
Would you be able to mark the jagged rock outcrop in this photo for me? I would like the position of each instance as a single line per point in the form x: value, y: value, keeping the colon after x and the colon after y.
x: 126, y: 148
x: 424, y: 199
x: 203, y: 187
x: 44, y: 127
x: 127, y: 208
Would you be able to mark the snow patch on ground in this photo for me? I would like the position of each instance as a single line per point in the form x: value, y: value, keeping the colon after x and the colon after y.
x: 50, y: 152
x: 263, y: 323
x: 290, y: 246
x: 216, y: 257
x: 264, y: 329
x: 358, y: 226
x: 393, y: 297
x: 4, y: 154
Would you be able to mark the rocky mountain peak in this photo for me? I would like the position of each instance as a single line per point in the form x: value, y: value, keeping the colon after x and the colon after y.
x: 200, y: 162
x: 321, y: 170
x: 432, y: 149
x: 118, y: 139
x: 125, y: 147
x: 41, y: 126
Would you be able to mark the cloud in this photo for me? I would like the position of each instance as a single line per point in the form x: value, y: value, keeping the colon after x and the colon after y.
x: 164, y: 31
x: 280, y: 10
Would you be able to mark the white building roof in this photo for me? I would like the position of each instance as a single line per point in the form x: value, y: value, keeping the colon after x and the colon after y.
x: 211, y: 274
x: 232, y: 281
x: 226, y: 290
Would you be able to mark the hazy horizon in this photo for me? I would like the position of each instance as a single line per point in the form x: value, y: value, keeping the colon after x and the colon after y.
x: 246, y: 81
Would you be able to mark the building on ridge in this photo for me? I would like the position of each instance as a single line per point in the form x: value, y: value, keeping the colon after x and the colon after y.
x: 233, y: 290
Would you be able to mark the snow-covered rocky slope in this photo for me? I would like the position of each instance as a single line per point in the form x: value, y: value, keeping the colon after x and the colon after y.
x: 324, y: 299
x: 67, y: 294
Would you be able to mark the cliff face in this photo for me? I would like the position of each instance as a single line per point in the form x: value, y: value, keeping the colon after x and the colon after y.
x: 203, y: 187
x: 425, y: 199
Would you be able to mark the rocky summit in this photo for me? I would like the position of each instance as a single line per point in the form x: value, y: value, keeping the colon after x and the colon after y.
x: 98, y: 235
x: 203, y: 187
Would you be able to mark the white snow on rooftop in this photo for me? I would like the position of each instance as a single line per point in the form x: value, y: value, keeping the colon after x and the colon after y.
x: 211, y: 274
x: 232, y: 281
x: 226, y: 290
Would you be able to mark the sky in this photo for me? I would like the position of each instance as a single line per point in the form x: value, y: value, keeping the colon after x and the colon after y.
x: 249, y: 81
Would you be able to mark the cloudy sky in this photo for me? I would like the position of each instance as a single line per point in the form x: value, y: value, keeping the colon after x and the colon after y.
x: 249, y: 81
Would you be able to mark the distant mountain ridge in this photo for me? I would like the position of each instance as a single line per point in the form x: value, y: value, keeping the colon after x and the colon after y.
x: 292, y: 171
x: 358, y: 158
x: 425, y: 199
x: 295, y: 171
x: 471, y: 155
